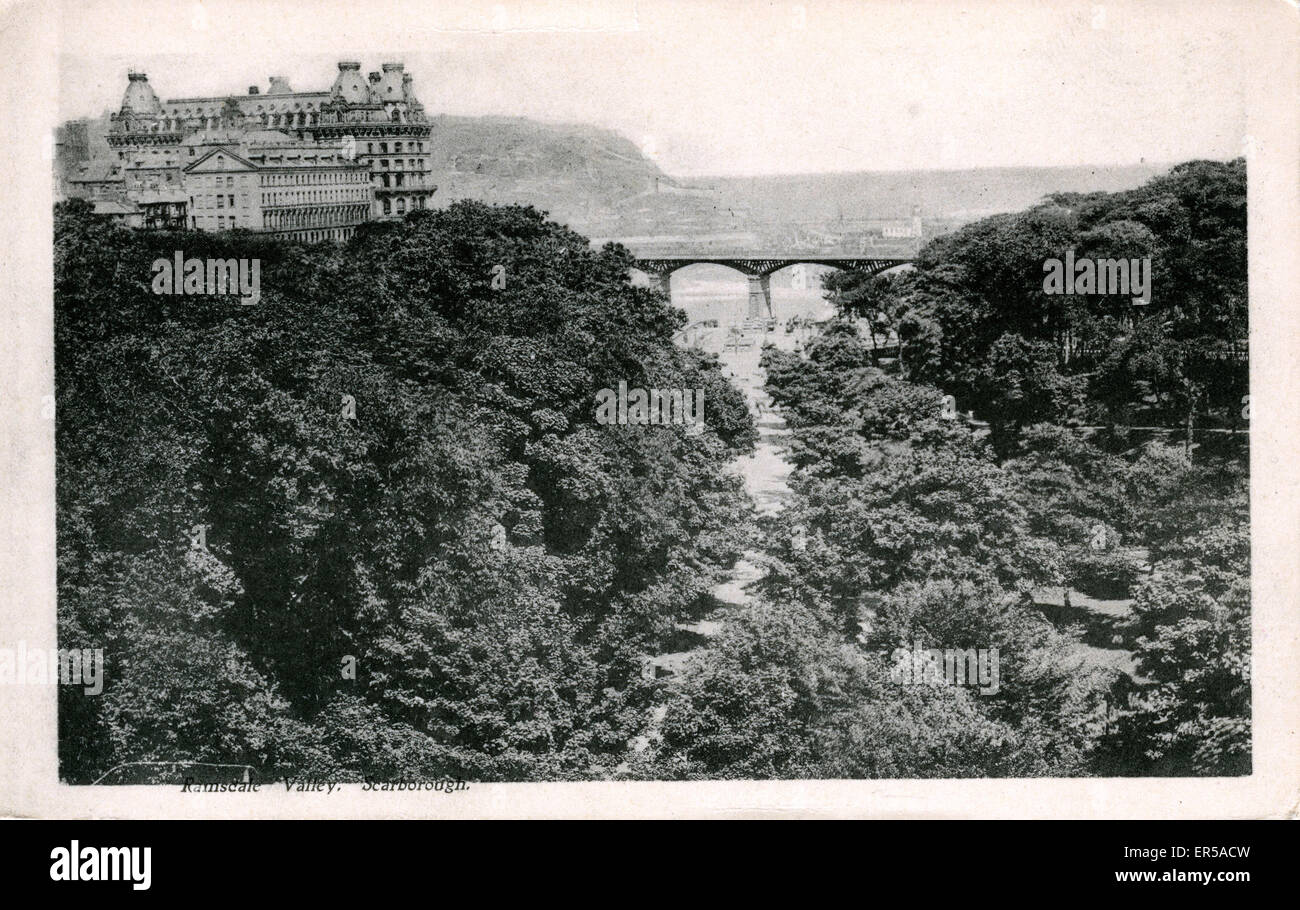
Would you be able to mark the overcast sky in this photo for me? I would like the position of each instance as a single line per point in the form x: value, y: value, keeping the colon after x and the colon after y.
x: 716, y: 87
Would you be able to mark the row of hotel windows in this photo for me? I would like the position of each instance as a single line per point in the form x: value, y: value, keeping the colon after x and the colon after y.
x: 357, y: 176
x: 397, y: 147
x: 219, y: 180
x: 399, y: 206
x: 411, y: 164
x: 389, y: 180
x: 206, y: 120
x: 219, y: 222
x: 415, y: 180
x: 223, y: 222
x: 316, y: 217
x: 370, y: 150
x: 221, y: 201
x: 218, y: 201
x: 314, y: 236
x: 307, y: 158
x: 169, y: 156
x: 287, y: 180
x: 282, y: 179
x: 290, y: 121
x: 297, y: 198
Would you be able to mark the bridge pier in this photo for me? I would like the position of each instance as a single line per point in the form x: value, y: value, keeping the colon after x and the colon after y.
x: 760, y: 296
x: 662, y: 283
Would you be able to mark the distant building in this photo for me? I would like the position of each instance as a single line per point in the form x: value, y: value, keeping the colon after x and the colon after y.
x: 900, y: 228
x: 72, y: 149
x: 390, y: 130
x: 125, y: 213
x: 97, y: 180
x: 163, y: 209
x: 296, y: 155
x: 274, y: 183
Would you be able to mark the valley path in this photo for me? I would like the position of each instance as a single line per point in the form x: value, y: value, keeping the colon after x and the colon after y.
x: 766, y: 474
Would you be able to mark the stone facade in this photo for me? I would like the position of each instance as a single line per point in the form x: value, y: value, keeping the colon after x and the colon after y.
x: 376, y: 122
x: 274, y: 183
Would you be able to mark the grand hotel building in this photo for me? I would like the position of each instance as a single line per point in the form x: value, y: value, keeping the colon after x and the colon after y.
x: 293, y: 158
x: 268, y: 181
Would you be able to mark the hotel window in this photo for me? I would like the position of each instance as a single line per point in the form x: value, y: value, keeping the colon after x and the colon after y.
x: 221, y: 203
x: 231, y: 197
x: 397, y: 146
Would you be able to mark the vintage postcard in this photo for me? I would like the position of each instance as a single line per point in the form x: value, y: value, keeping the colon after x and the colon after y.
x: 650, y: 408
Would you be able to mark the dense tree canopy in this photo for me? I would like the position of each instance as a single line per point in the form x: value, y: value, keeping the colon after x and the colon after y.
x: 388, y: 461
x: 910, y: 523
x: 976, y: 319
x: 371, y: 525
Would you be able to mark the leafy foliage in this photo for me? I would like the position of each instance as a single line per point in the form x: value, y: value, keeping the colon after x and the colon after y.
x: 371, y: 527
x: 372, y: 535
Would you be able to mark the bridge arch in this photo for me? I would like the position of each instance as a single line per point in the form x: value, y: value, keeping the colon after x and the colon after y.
x: 666, y: 268
x: 759, y: 284
x: 758, y: 270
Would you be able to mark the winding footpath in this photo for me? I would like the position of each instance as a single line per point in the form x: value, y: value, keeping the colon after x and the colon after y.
x: 766, y: 476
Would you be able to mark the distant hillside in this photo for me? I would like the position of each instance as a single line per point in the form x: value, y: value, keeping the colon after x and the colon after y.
x: 598, y: 182
x: 958, y: 194
x: 582, y: 175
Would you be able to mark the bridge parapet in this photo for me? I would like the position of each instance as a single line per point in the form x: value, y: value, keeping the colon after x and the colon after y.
x: 761, y: 266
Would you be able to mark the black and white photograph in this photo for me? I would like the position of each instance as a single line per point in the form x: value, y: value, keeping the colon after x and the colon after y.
x: 641, y: 392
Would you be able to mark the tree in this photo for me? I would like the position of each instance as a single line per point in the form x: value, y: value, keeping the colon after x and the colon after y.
x: 1018, y: 384
x: 388, y: 460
